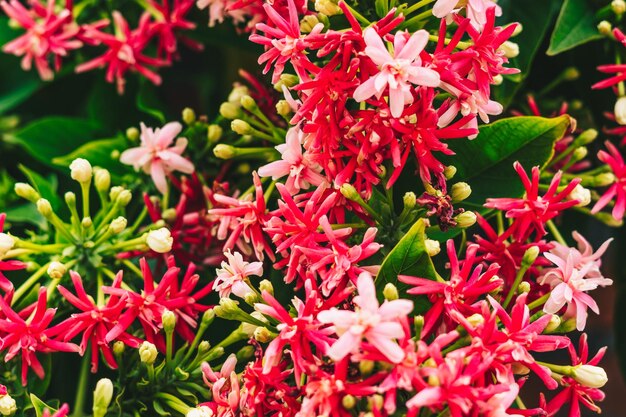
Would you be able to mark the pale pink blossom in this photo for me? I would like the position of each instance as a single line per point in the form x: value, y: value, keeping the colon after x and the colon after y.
x: 570, y: 285
x: 379, y: 324
x: 399, y: 72
x: 303, y: 171
x: 233, y: 275
x: 476, y: 10
x: 156, y: 156
x: 224, y: 386
x: 584, y: 257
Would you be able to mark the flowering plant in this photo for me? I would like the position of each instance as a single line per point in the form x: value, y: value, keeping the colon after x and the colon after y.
x: 282, y: 254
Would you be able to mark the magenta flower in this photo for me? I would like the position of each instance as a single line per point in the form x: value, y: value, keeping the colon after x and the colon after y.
x: 156, y: 156
x: 48, y: 33
x: 29, y: 336
x: 399, y: 72
x: 234, y: 274
x: 63, y: 411
x: 532, y: 211
x: 125, y: 51
x: 302, y: 170
x: 378, y: 324
x: 9, y: 265
x: 616, y: 191
x: 224, y: 386
x: 618, y: 69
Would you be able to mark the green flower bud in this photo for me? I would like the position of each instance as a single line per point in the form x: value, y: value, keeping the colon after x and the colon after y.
x: 102, y: 179
x: 214, y: 133
x: 390, y: 292
x: 248, y: 103
x: 449, y: 172
x: 466, y: 219
x: 308, y: 22
x: 604, y: 179
x: 223, y: 151
x: 366, y: 367
x: 587, y: 137
x: 460, y: 191
x: 241, y: 127
x: 266, y: 285
x: 571, y: 74
x: 118, y: 225
x: 27, y: 192
x: 230, y: 111
x: 8, y: 406
x: 348, y: 402
x: 102, y: 396
x: 410, y: 200
x: 433, y: 247
x: 327, y: 7
x: 530, y: 256
x: 618, y: 7
x: 283, y: 108
x: 132, y: 133
x: 605, y: 28
x: 81, y: 171
x: 581, y: 194
x: 589, y: 375
x: 523, y: 287
x: 124, y: 198
x: 168, y: 318
x: 118, y: 348
x: 189, y: 116
x: 56, y: 270
x: 86, y: 223
x: 147, y: 353
x: 349, y: 192
x: 498, y: 79
x: 44, y: 207
x: 553, y: 324
x: 237, y: 92
x: 263, y: 335
x: 510, y: 49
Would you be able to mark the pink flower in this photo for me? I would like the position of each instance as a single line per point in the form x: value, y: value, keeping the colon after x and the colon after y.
x: 224, y: 386
x: 398, y: 72
x: 584, y: 257
x: 47, y: 33
x: 569, y: 285
x: 613, y: 159
x: 63, y: 411
x: 379, y: 324
x: 156, y: 156
x: 125, y: 51
x: 531, y: 212
x: 234, y: 275
x: 618, y: 69
x: 476, y: 10
x: 9, y: 265
x: 303, y: 171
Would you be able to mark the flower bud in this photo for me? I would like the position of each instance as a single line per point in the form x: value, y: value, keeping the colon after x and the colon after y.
x: 227, y: 308
x: 8, y: 407
x: 449, y: 172
x: 349, y: 192
x: 132, y: 133
x: 283, y: 108
x: 553, y: 324
x: 410, y: 200
x: 348, y: 402
x: 390, y: 292
x: 620, y: 110
x: 267, y: 286
x: 249, y: 296
x: 102, y: 396
x: 118, y: 348
x: 366, y: 367
x: 147, y: 353
x: 237, y: 92
x: 519, y: 28
x: 618, y: 7
x: 287, y: 80
x: 168, y: 318
x: 44, y: 207
x: 590, y: 376
x: 241, y: 127
x: 262, y: 334
x: 249, y: 328
x: 460, y: 191
x: 204, y: 346
x: 214, y: 133
x: 248, y: 103
x: 86, y: 223
x: 189, y: 116
x: 510, y: 49
x: 579, y: 153
x: 523, y: 287
x: 230, y: 111
x: 604, y: 179
x: 498, y: 79
x: 70, y: 199
x: 223, y: 151
x: 208, y: 317
x: 433, y: 247
x: 56, y: 270
x: 581, y: 194
x: 80, y: 170
x: 27, y: 192
x: 118, y: 225
x: 605, y: 28
x: 102, y: 179
x: 200, y: 411
x: 466, y: 219
x: 124, y: 198
x: 568, y: 325
x: 115, y: 192
x: 571, y: 74
x: 530, y: 255
x: 6, y: 244
x: 587, y: 137
x: 327, y: 7
x: 160, y: 240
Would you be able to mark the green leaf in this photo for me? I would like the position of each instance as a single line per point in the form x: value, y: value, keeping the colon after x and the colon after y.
x: 47, y: 188
x: 48, y: 138
x: 486, y: 163
x: 98, y: 153
x: 536, y: 17
x: 40, y: 406
x: 148, y: 101
x: 408, y: 257
x: 26, y: 213
x: 575, y: 26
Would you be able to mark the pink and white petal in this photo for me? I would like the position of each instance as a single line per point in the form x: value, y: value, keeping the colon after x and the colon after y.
x: 157, y: 171
x: 347, y: 343
x: 166, y: 135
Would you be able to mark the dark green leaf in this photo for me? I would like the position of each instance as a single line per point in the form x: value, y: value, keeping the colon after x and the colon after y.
x: 486, y: 163
x: 46, y: 139
x: 408, y: 257
x: 98, y: 153
x: 148, y: 101
x: 47, y: 188
x: 26, y: 213
x: 575, y: 26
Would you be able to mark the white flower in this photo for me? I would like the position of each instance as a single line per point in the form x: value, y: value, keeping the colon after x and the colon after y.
x: 6, y: 244
x: 160, y: 240
x: 7, y: 405
x: 81, y: 170
x: 590, y: 376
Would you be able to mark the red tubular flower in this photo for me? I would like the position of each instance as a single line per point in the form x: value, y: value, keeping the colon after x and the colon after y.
x: 617, y: 191
x: 170, y: 20
x: 30, y: 335
x: 531, y: 212
x: 618, y: 69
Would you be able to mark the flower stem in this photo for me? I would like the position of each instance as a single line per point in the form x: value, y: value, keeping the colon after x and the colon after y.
x: 79, y: 401
x: 539, y: 301
x: 555, y: 232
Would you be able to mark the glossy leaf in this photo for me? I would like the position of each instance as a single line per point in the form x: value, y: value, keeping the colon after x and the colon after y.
x: 98, y: 153
x: 575, y: 26
x: 47, y: 188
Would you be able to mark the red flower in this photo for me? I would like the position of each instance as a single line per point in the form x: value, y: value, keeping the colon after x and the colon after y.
x: 618, y: 190
x: 26, y: 336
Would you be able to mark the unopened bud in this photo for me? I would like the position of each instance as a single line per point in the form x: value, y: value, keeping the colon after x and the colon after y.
x: 248, y: 103
x: 27, y: 192
x: 147, y: 353
x: 237, y: 92
x: 618, y: 7
x: 102, y: 179
x: 262, y: 334
x: 189, y: 116
x: 124, y: 197
x: 587, y: 137
x: 44, y: 207
x: 348, y: 402
x: 118, y: 348
x: 308, y: 22
x: 518, y: 29
x: 366, y: 367
x: 168, y: 318
x: 410, y: 200
x: 241, y: 127
x: 249, y: 296
x: 608, y: 219
x: 70, y: 199
x: 568, y: 325
x: 466, y: 219
x: 523, y: 287
x: 80, y: 170
x: 227, y: 308
x: 102, y: 396
x: 590, y: 376
x: 204, y: 346
x: 267, y: 286
x: 6, y: 244
x: 56, y: 270
x: 604, y: 179
x: 214, y: 133
x: 208, y: 317
x: 498, y: 79
x: 283, y: 108
x: 605, y: 28
x: 118, y: 225
x: 349, y: 192
x: 510, y: 49
x: 327, y: 7
x: 460, y: 191
x: 230, y: 111
x: 449, y: 172
x: 132, y: 133
x: 115, y: 192
x: 553, y: 324
x: 200, y: 411
x: 376, y: 402
x: 160, y: 240
x: 223, y: 151
x: 579, y: 153
x: 390, y: 292
x: 530, y: 255
x: 581, y: 194
x: 433, y: 247
x: 571, y: 74
x: 86, y: 222
x: 8, y: 406
x: 620, y: 110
